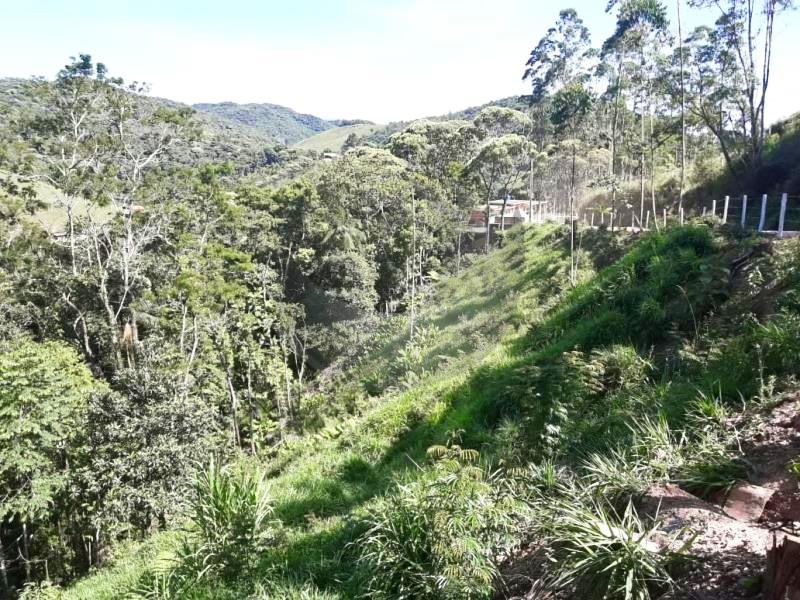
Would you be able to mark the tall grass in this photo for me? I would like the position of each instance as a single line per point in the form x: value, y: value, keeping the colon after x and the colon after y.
x: 601, y: 555
x: 231, y: 525
x: 439, y: 537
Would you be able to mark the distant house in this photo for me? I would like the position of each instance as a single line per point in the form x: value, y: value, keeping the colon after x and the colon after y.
x: 516, y: 212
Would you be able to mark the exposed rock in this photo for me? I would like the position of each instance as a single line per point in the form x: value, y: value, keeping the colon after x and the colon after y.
x: 746, y: 502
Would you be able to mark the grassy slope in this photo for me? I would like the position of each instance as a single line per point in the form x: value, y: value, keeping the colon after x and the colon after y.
x: 505, y: 314
x: 333, y: 139
x: 53, y: 218
x: 324, y: 480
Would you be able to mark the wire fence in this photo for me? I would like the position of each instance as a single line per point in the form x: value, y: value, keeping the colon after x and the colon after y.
x: 768, y: 214
x: 771, y: 214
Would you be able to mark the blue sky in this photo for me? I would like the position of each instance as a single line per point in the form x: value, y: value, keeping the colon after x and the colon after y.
x: 382, y: 60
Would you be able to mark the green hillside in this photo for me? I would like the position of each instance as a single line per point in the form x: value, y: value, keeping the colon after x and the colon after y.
x: 334, y: 139
x: 219, y: 140
x: 510, y: 362
x: 253, y: 354
x: 382, y: 134
x: 278, y: 123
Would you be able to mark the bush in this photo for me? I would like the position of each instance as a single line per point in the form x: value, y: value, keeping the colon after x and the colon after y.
x: 413, y: 360
x: 230, y: 527
x: 439, y: 537
x: 606, y: 557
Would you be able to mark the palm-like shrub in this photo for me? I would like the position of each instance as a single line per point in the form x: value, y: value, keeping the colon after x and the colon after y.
x: 601, y: 555
x: 439, y: 538
x: 230, y: 522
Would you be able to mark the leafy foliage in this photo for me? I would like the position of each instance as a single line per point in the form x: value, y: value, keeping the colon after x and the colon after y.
x: 44, y: 395
x: 438, y: 537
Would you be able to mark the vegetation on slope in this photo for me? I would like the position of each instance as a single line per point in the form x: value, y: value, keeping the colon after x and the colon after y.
x: 216, y: 139
x: 206, y: 305
x: 338, y: 138
x: 277, y: 123
x: 580, y: 398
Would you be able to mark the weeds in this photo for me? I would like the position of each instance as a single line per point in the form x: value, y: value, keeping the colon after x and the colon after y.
x: 602, y: 397
x: 438, y: 538
x: 601, y: 555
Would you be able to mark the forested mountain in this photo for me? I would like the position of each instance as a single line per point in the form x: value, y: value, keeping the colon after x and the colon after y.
x: 277, y: 123
x: 216, y: 140
x: 241, y: 370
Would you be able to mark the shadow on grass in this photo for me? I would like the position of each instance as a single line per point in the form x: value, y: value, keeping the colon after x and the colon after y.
x: 592, y: 315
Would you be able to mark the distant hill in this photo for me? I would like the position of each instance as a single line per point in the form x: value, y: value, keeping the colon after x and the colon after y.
x: 380, y: 135
x: 277, y: 122
x: 334, y: 139
x: 221, y: 139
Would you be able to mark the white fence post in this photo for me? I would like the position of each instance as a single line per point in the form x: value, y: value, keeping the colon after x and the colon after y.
x: 782, y: 218
x: 763, y: 218
x: 744, y: 210
x: 665, y: 217
x: 714, y: 208
x: 647, y: 221
x: 704, y: 211
x: 592, y: 218
x: 725, y: 210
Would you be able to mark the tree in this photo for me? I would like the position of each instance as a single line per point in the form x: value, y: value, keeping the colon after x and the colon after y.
x: 495, y: 121
x: 560, y: 57
x: 682, y: 86
x: 501, y: 163
x: 732, y: 75
x: 103, y: 145
x: 641, y: 28
x: 351, y: 141
x: 571, y: 106
x: 71, y: 132
x: 44, y: 394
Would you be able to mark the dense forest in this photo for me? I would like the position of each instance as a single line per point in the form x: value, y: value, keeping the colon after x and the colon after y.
x: 233, y: 368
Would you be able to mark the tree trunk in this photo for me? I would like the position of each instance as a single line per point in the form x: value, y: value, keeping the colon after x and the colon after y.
x: 530, y: 194
x: 236, y: 439
x: 488, y: 219
x: 3, y: 570
x: 414, y: 261
x: 70, y: 208
x: 25, y: 553
x: 652, y: 170
x: 251, y: 408
x: 782, y: 579
x: 641, y: 149
x: 458, y: 257
x: 503, y: 216
x: 572, y: 274
x: 683, y: 111
x: 614, y: 126
x: 287, y: 380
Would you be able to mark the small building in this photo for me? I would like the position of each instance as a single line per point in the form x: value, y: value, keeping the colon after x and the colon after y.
x: 516, y: 212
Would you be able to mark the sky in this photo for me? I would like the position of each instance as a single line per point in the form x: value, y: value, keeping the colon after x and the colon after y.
x: 382, y: 60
